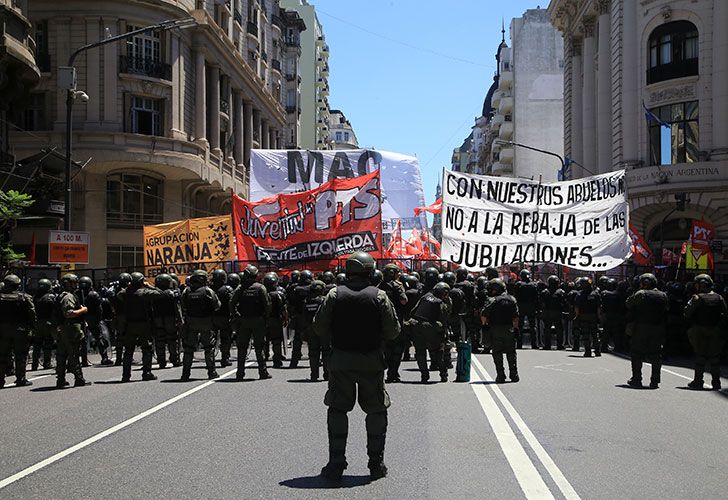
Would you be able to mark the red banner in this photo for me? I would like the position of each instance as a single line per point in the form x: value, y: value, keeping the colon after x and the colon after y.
x: 701, y: 234
x: 435, y: 208
x: 669, y: 257
x: 324, y: 224
x: 641, y: 252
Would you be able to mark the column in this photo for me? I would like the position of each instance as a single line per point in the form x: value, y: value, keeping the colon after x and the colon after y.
x: 178, y: 90
x: 200, y: 100
x: 604, y: 90
x: 111, y: 96
x: 238, y: 119
x: 265, y: 135
x: 588, y: 98
x: 93, y: 73
x: 214, y: 133
x: 631, y: 111
x: 256, y: 127
x: 247, y: 131
x: 577, y: 117
x: 720, y: 80
x: 272, y: 140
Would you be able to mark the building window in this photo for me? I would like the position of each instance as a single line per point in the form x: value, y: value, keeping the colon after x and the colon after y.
x: 145, y: 46
x: 32, y: 116
x: 133, y: 200
x: 118, y: 256
x: 42, y: 56
x: 146, y: 116
x: 673, y: 52
x: 346, y: 136
x: 339, y: 137
x: 674, y: 138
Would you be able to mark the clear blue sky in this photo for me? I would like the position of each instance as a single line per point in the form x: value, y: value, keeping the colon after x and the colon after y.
x: 411, y: 75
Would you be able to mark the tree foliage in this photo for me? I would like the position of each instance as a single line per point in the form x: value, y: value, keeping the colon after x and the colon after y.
x: 13, y: 205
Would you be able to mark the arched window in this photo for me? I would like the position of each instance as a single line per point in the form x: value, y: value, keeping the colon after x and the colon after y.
x: 133, y: 200
x: 673, y: 51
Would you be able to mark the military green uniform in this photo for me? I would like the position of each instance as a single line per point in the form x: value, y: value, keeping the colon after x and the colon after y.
x: 394, y: 348
x: 70, y: 336
x: 137, y: 328
x: 648, y: 311
x: 356, y: 319
x: 251, y: 307
x: 222, y: 323
x: 167, y: 323
x: 706, y: 313
x: 587, y: 305
x: 199, y: 303
x: 277, y: 321
x: 17, y: 319
x: 46, y: 329
x: 428, y: 325
x: 499, y: 313
x: 318, y: 351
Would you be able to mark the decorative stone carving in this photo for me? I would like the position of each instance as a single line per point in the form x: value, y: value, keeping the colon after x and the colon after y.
x: 672, y: 94
x: 588, y: 27
x: 603, y: 6
x: 666, y: 12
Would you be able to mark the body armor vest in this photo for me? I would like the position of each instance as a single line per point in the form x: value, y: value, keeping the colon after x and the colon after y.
x: 198, y: 303
x: 357, y: 324
x: 428, y: 309
x: 250, y: 302
x: 45, y: 307
x: 502, y: 310
x: 709, y: 310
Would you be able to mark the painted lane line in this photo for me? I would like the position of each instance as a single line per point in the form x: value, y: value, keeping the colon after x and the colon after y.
x: 566, y: 488
x: 93, y: 439
x: 32, y: 379
x: 527, y: 475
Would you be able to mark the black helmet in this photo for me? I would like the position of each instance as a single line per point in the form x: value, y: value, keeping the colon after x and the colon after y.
x: 376, y: 277
x: 491, y: 273
x: 317, y: 287
x: 250, y: 273
x: 198, y: 278
x: 412, y: 281
x: 441, y: 290
x: 461, y: 274
x: 69, y: 280
x: 270, y: 281
x: 648, y: 281
x: 611, y: 284
x: 11, y: 282
x: 305, y: 278
x: 328, y: 278
x: 359, y: 264
x: 233, y: 280
x: 496, y: 287
x: 164, y: 281
x: 219, y: 277
x: 391, y: 271
x: 137, y: 279
x: 416, y: 275
x: 602, y: 282
x: 175, y: 278
x: 553, y: 281
x: 432, y: 275
x: 124, y: 280
x: 584, y: 283
x: 703, y: 282
x: 295, y: 276
x: 44, y: 285
x: 85, y: 283
x: 340, y: 279
x: 481, y: 283
x: 525, y: 275
x: 449, y: 278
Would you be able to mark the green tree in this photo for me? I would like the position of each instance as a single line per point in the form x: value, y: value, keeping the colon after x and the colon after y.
x: 12, y: 206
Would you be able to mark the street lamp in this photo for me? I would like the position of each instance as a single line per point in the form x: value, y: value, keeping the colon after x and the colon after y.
x: 565, y: 162
x: 67, y: 82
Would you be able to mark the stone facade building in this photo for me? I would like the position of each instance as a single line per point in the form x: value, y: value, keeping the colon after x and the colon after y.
x: 171, y: 115
x: 646, y: 89
x: 342, y: 135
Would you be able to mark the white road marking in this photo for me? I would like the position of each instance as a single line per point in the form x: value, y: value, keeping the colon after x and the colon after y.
x: 33, y: 378
x: 563, y: 484
x: 576, y: 372
x: 528, y: 477
x: 705, y: 385
x: 101, y: 435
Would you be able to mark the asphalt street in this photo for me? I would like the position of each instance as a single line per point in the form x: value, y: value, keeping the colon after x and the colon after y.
x: 570, y: 429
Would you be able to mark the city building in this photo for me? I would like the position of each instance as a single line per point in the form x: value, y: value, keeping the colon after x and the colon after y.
x: 646, y: 90
x: 314, y: 71
x: 342, y: 135
x: 461, y: 155
x: 170, y: 119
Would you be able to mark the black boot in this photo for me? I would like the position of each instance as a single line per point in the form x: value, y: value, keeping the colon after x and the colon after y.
x: 636, y: 380
x: 512, y: 367
x: 376, y: 424
x: 186, y: 367
x: 126, y: 366
x: 338, y: 428
x: 161, y: 351
x: 421, y: 358
x: 500, y: 372
x: 715, y: 376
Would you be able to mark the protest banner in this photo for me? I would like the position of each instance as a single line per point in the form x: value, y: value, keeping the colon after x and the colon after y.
x: 275, y: 171
x: 182, y: 246
x: 494, y: 221
x: 323, y: 224
x: 641, y: 251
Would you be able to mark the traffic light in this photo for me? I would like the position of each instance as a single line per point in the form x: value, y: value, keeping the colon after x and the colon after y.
x: 681, y: 199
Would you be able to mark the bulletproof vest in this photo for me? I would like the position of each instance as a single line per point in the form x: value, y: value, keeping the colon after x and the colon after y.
x: 457, y: 297
x: 413, y: 295
x: 502, y: 310
x: 198, y: 303
x: 298, y: 297
x: 481, y: 298
x: 357, y: 323
x: 250, y: 303
x: 468, y: 290
x: 527, y: 293
x: 136, y: 307
x: 553, y: 300
x: 278, y: 301
x: 612, y: 302
x: 107, y: 312
x: 651, y: 310
x: 391, y: 292
x: 588, y: 303
x: 224, y: 294
x: 93, y: 302
x: 312, y: 306
x: 12, y: 308
x: 428, y: 309
x: 164, y: 304
x: 709, y: 310
x: 45, y: 307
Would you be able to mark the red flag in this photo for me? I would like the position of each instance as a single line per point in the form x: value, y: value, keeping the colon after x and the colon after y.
x: 427, y: 238
x: 641, y: 252
x: 669, y: 257
x: 416, y: 241
x: 435, y: 208
x: 701, y: 234
x: 31, y: 253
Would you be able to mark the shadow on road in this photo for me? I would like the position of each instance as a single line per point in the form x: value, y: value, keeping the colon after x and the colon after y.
x: 304, y: 381
x: 485, y: 382
x: 643, y: 388
x: 318, y: 483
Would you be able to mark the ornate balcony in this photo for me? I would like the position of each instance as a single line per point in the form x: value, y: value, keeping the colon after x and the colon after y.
x: 147, y: 66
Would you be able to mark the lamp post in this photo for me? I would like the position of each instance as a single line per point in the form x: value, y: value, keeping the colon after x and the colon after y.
x: 67, y: 82
x: 565, y: 162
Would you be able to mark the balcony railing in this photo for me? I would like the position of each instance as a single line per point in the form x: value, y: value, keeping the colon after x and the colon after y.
x: 277, y: 21
x: 224, y: 106
x: 264, y: 56
x: 293, y: 41
x: 238, y: 16
x: 253, y: 28
x: 147, y: 66
x: 44, y: 62
x: 291, y: 109
x: 276, y: 64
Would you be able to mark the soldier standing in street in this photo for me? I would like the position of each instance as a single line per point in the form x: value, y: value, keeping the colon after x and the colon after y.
x: 318, y: 351
x: 707, y: 313
x: 526, y: 293
x: 121, y: 285
x: 501, y: 316
x: 199, y: 303
x: 357, y: 319
x: 17, y: 320
x: 396, y: 293
x: 553, y: 304
x: 586, y: 317
x: 137, y: 327
x: 167, y: 321
x: 648, y: 311
x: 71, y: 334
x: 92, y: 300
x: 251, y: 308
x: 278, y: 319
x: 428, y: 324
x: 46, y: 325
x: 221, y: 318
x: 612, y: 313
x: 471, y: 317
x: 296, y: 299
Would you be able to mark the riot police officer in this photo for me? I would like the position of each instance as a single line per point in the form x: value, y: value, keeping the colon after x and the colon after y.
x: 221, y: 318
x: 431, y: 278
x: 251, y: 308
x: 647, y: 308
x: 296, y: 300
x: 46, y: 325
x: 167, y: 321
x: 553, y: 304
x: 613, y: 313
x: 199, y: 303
x: 470, y: 317
x: 278, y: 319
x: 92, y: 300
x: 414, y: 295
x: 17, y: 320
x: 121, y: 285
x: 137, y: 326
x: 70, y: 334
x: 586, y: 317
x: 428, y: 324
x: 396, y: 293
x: 318, y: 351
x: 502, y: 317
x: 526, y: 293
x: 356, y: 319
x: 329, y: 280
x: 706, y: 311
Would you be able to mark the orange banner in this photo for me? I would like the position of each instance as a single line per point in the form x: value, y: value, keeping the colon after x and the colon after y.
x: 324, y: 224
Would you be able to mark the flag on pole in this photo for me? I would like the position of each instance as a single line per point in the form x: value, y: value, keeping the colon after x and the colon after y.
x: 641, y: 252
x: 652, y: 117
x: 435, y: 208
